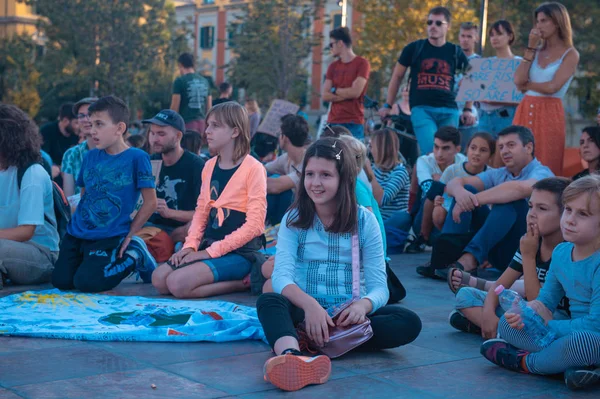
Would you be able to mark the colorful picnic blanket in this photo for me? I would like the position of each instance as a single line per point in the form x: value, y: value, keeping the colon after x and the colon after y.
x: 96, y: 317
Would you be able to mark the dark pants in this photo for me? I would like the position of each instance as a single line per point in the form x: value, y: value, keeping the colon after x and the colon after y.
x: 392, y: 325
x: 277, y: 206
x: 429, y: 190
x: 90, y: 266
x: 497, y: 232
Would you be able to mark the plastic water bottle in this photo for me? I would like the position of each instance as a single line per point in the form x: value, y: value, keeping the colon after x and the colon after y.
x: 535, y: 325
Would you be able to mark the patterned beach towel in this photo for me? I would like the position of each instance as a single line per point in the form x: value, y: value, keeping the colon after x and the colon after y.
x: 96, y: 317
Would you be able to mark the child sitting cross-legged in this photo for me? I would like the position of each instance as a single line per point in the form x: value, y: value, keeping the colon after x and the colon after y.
x: 574, y: 273
x: 313, y: 272
x: 226, y: 231
x: 477, y: 306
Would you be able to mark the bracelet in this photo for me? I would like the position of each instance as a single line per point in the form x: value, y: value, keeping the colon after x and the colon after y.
x: 531, y: 49
x: 527, y: 60
x: 387, y: 106
x: 468, y: 110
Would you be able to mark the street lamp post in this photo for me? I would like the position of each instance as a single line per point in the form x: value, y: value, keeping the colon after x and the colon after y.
x: 344, y: 5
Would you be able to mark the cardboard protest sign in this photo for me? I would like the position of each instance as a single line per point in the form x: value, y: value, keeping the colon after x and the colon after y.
x: 490, y: 80
x: 272, y: 120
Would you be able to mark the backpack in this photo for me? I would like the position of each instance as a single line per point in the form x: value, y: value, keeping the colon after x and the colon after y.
x: 62, y: 209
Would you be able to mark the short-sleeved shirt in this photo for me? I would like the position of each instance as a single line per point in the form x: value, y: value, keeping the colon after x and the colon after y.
x: 221, y: 101
x: 427, y: 166
x: 55, y: 143
x: 452, y: 172
x: 73, y: 159
x: 112, y: 185
x: 33, y: 205
x: 194, y: 90
x: 533, y: 170
x: 283, y: 166
x: 541, y: 268
x: 233, y: 219
x: 179, y: 185
x: 342, y: 75
x: 434, y: 73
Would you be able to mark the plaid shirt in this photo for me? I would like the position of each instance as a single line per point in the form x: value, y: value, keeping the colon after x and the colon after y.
x: 73, y: 159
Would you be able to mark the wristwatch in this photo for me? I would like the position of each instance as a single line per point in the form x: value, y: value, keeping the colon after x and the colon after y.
x: 333, y: 90
x: 468, y: 109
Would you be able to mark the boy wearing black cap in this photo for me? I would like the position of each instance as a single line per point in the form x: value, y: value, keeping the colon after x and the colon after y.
x: 180, y: 175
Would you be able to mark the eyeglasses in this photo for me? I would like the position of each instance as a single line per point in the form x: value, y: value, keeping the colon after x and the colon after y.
x: 438, y: 23
x: 83, y: 116
x: 332, y: 43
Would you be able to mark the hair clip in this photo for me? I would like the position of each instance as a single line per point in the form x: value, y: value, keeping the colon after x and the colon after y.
x: 331, y: 130
x: 334, y: 143
x: 338, y: 156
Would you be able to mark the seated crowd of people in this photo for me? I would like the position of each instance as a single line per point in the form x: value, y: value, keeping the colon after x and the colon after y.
x: 194, y: 227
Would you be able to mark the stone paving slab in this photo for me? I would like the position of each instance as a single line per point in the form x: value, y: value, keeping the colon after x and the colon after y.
x: 441, y: 363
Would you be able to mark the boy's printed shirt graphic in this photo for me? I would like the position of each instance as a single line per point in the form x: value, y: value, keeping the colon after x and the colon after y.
x: 112, y: 186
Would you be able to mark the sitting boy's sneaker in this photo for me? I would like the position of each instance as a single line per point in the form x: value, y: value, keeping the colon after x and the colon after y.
x: 461, y: 323
x: 500, y: 352
x: 580, y: 378
x: 291, y: 372
x: 144, y: 261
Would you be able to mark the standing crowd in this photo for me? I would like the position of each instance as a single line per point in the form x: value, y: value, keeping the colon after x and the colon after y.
x: 186, y: 205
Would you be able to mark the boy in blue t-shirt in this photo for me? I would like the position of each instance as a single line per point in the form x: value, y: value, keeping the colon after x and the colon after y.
x: 100, y: 249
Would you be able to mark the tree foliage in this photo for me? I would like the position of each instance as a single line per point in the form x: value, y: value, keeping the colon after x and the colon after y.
x: 272, y: 42
x: 100, y: 47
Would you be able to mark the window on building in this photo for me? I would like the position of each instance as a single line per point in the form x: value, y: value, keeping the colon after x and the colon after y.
x: 234, y: 30
x: 337, y: 21
x: 207, y: 37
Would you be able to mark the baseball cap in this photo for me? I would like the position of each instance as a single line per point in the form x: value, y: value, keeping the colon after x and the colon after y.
x: 83, y: 101
x: 167, y: 117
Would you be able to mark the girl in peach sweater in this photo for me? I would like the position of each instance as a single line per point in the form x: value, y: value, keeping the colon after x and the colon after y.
x: 227, y: 228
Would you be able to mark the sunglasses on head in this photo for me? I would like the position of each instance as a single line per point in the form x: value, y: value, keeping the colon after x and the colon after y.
x: 437, y: 23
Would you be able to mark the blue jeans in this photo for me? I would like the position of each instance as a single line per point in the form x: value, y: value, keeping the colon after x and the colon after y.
x: 277, y: 206
x: 396, y: 231
x: 497, y: 231
x: 495, y: 121
x: 357, y: 130
x: 466, y: 132
x: 427, y: 120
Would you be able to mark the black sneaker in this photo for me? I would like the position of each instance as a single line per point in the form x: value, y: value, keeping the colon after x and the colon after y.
x: 461, y: 323
x: 582, y: 378
x: 500, y: 352
x: 416, y: 246
x: 426, y: 270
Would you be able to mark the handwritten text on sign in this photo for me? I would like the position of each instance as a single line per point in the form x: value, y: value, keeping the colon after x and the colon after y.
x: 272, y: 121
x: 490, y: 80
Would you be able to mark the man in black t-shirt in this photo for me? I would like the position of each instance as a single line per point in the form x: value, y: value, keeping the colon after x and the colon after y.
x: 433, y: 64
x: 59, y: 136
x: 180, y: 176
x: 225, y: 92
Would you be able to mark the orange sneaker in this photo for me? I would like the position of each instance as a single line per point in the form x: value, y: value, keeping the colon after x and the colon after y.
x: 291, y: 372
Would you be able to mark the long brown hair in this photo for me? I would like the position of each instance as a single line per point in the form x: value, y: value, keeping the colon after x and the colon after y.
x: 302, y: 212
x: 234, y: 115
x: 388, y: 145
x: 560, y: 16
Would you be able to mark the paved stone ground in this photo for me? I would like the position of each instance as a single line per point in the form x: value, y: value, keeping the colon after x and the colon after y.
x: 441, y: 363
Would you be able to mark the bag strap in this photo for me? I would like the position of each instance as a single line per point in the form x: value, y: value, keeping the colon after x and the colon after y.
x: 355, y: 267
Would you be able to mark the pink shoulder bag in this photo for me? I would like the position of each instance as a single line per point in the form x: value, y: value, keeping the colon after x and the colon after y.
x: 344, y: 339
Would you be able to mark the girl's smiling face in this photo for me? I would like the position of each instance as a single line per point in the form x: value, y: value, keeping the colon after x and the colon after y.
x: 479, y: 152
x: 321, y: 181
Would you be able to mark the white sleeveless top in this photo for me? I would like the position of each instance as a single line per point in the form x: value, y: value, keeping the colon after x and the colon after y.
x: 537, y: 74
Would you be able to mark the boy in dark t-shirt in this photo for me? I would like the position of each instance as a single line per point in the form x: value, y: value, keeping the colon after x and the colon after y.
x: 433, y: 64
x: 477, y: 305
x: 100, y: 248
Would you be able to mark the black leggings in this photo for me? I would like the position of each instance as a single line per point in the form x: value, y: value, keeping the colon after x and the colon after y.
x: 392, y: 325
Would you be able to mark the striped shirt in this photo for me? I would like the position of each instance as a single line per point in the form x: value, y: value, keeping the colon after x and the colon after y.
x: 396, y: 185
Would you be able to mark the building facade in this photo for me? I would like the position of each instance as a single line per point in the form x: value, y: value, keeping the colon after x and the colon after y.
x: 16, y: 18
x: 210, y: 19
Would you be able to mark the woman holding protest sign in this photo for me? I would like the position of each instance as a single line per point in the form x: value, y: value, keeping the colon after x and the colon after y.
x: 495, y: 116
x: 547, y: 69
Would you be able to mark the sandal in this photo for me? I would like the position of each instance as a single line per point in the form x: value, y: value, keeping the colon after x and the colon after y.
x: 465, y: 279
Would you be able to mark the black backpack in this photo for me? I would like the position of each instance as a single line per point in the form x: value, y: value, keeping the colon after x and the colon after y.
x: 62, y: 209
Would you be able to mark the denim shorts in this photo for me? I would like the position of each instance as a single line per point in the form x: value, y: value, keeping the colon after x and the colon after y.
x: 229, y: 267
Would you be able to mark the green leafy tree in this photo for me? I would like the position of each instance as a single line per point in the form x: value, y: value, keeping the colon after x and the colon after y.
x: 103, y: 47
x: 272, y: 42
x: 18, y: 73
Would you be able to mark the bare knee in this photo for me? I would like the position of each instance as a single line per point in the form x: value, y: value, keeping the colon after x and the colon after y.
x: 267, y: 267
x: 159, y: 278
x: 267, y: 287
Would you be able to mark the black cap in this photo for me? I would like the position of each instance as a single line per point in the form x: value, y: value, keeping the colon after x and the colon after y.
x: 168, y: 117
x: 83, y: 101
